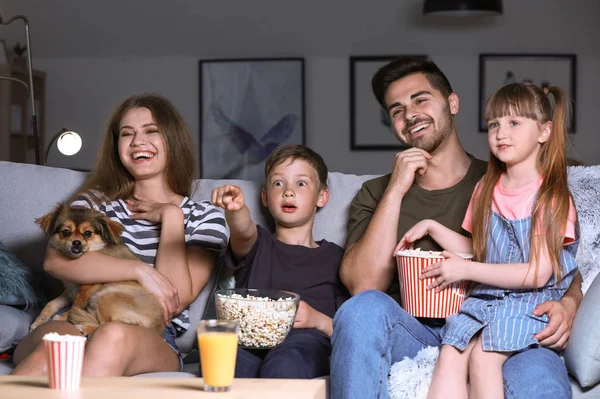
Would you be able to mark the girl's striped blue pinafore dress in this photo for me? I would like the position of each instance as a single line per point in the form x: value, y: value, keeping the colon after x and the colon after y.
x: 504, y: 316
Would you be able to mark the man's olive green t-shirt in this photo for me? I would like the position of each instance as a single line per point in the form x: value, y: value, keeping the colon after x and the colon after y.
x: 447, y: 206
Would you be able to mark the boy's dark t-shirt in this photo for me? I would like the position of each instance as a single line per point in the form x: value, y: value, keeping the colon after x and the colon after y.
x: 310, y: 272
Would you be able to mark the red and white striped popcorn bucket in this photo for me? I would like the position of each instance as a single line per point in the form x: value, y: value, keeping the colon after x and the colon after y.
x: 416, y: 299
x: 65, y: 360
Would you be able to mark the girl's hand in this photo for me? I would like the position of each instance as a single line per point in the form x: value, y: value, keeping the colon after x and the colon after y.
x: 228, y: 197
x: 418, y: 231
x: 144, y: 208
x: 162, y: 288
x: 448, y: 271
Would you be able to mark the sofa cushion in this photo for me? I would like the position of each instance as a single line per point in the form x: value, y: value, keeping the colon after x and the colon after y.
x: 30, y: 191
x: 188, y: 341
x: 582, y: 355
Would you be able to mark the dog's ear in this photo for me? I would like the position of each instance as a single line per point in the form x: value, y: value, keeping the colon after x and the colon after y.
x: 111, y: 231
x: 48, y: 221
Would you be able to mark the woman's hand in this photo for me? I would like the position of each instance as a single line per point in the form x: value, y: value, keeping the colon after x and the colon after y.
x: 144, y: 208
x: 450, y: 270
x: 418, y: 231
x: 162, y: 288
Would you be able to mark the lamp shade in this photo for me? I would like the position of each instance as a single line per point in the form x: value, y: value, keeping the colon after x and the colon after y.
x: 463, y: 7
x: 69, y: 143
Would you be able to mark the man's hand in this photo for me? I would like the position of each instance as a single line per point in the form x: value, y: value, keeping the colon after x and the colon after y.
x: 407, y: 164
x: 561, y: 313
x: 228, y: 197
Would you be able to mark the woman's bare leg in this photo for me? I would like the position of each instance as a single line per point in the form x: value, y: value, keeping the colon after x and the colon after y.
x: 118, y: 349
x: 30, y: 354
x: 450, y: 374
x: 485, y: 373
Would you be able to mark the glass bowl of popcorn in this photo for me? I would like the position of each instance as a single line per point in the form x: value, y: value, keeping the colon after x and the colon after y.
x: 266, y: 316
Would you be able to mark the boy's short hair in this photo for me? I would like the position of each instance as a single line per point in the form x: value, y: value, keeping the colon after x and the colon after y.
x: 404, y: 66
x: 296, y: 151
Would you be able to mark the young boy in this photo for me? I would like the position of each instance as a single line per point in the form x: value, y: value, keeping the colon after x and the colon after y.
x: 291, y: 260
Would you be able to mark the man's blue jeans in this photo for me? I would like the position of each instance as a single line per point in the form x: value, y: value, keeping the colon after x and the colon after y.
x: 371, y: 332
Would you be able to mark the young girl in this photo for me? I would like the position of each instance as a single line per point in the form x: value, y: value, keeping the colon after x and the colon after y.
x: 523, y: 222
x: 142, y: 179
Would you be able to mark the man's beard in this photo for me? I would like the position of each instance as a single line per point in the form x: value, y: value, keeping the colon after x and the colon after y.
x: 431, y: 141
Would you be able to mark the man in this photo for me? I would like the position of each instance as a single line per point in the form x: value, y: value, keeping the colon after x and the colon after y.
x: 432, y: 179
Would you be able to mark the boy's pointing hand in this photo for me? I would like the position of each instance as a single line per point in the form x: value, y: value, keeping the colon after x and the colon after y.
x: 228, y: 197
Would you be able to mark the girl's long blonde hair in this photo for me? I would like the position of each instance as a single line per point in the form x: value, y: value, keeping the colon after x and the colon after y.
x: 110, y: 177
x: 551, y: 207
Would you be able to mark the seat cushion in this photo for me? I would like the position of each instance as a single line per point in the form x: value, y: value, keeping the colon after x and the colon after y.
x: 582, y: 355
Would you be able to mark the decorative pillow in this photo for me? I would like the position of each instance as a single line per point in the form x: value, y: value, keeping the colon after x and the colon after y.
x: 14, y: 326
x: 582, y: 355
x: 410, y: 378
x: 16, y: 281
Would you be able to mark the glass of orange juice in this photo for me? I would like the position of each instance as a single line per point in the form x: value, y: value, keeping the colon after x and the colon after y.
x: 217, y: 342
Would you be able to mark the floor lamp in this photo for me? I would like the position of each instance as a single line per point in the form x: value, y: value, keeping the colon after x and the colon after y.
x: 29, y: 86
x: 68, y: 143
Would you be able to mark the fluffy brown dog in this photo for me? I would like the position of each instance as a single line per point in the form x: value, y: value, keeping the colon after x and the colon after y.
x: 75, y: 231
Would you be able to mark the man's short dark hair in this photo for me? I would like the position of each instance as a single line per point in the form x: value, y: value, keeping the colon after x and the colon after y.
x: 404, y: 66
x: 292, y: 152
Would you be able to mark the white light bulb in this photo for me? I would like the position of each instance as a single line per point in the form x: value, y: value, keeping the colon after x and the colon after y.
x: 69, y: 143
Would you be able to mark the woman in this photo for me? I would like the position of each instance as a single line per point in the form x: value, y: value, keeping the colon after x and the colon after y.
x: 142, y: 179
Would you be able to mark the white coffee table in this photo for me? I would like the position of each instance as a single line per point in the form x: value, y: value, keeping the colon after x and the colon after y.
x: 16, y: 387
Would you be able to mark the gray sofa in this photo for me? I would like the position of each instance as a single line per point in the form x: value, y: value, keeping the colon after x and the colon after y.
x: 29, y: 191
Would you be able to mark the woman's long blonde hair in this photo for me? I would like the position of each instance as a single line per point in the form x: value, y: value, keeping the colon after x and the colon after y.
x: 551, y: 207
x: 110, y: 177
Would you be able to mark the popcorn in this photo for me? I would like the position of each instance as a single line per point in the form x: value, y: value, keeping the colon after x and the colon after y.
x: 264, y: 322
x: 56, y: 337
x: 420, y: 254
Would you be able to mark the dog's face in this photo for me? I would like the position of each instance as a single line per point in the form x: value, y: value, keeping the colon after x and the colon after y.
x: 77, y: 230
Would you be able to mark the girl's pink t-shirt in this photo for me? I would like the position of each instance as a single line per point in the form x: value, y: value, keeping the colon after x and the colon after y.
x: 517, y: 204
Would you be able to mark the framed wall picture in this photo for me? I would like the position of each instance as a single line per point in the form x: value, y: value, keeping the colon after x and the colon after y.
x: 369, y: 124
x: 544, y: 70
x: 248, y: 107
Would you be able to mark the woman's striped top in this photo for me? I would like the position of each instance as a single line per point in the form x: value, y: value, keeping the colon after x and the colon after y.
x: 204, y: 225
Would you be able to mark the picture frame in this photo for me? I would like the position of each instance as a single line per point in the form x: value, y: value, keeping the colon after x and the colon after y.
x: 248, y: 107
x: 497, y: 69
x: 3, y: 52
x: 370, y: 128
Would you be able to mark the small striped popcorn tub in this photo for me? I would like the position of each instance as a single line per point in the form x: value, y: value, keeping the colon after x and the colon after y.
x: 65, y: 360
x: 416, y: 299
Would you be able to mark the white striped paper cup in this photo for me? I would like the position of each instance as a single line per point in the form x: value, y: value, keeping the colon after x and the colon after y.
x: 416, y: 299
x: 65, y: 360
